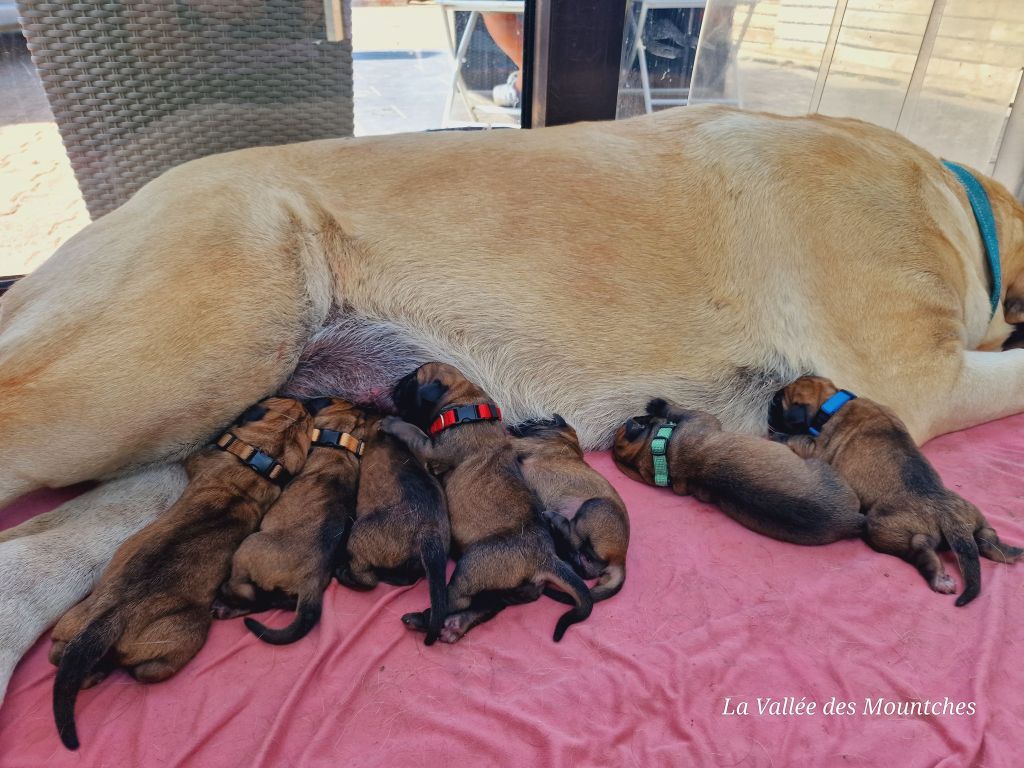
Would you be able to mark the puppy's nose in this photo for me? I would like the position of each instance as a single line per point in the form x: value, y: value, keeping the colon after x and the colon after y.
x: 797, y: 418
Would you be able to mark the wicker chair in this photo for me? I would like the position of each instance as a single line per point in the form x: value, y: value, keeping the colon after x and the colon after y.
x: 139, y: 87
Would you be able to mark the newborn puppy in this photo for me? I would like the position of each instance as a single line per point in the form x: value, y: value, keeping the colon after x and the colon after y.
x: 757, y: 483
x: 505, y: 551
x: 288, y: 562
x: 401, y: 531
x: 150, y: 612
x: 586, y: 515
x: 910, y: 513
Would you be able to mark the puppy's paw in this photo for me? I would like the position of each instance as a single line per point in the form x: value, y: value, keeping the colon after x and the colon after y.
x: 454, y: 629
x: 222, y: 610
x: 416, y: 621
x: 388, y: 424
x: 657, y: 407
x: 944, y: 584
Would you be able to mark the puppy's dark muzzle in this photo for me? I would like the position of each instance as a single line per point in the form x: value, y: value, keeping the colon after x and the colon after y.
x: 636, y: 427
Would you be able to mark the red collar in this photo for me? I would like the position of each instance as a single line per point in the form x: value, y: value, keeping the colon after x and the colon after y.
x: 461, y: 414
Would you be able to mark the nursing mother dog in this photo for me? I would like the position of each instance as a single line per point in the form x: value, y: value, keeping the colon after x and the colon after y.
x: 703, y: 254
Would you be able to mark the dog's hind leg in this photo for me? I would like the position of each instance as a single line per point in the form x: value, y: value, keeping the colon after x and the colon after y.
x: 44, y: 575
x: 157, y: 324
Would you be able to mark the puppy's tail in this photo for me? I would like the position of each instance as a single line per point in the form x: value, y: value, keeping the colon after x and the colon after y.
x: 960, y: 538
x: 307, y: 614
x: 565, y: 578
x: 81, y: 655
x: 435, y: 562
x: 611, y: 581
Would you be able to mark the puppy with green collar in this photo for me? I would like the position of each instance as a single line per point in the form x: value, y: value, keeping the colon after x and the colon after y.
x: 757, y: 483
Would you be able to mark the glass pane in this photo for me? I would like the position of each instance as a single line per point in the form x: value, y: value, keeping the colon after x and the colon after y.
x: 659, y: 48
x: 405, y: 74
x: 970, y: 82
x: 762, y: 54
x: 874, y: 58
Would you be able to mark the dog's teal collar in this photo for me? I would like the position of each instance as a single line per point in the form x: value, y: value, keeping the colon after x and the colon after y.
x: 829, y: 409
x: 982, y: 208
x: 659, y: 447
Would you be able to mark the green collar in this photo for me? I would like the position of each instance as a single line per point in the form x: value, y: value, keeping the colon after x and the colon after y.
x: 659, y: 447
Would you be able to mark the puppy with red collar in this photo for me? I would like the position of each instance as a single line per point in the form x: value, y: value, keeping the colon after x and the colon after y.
x: 910, y: 513
x: 505, y: 551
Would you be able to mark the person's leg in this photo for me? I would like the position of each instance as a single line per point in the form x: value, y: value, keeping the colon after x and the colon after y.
x: 507, y: 31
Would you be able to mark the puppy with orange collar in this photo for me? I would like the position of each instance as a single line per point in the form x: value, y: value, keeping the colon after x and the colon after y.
x: 758, y: 484
x: 150, y: 612
x: 505, y: 551
x: 910, y: 513
x: 289, y: 562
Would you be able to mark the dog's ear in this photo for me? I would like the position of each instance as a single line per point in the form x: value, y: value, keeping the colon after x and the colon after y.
x: 316, y: 404
x: 252, y: 413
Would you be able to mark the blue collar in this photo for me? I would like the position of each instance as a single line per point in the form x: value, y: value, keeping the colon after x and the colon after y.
x: 829, y: 409
x: 982, y: 208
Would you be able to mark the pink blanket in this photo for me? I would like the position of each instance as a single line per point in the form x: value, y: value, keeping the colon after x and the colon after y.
x: 712, y: 617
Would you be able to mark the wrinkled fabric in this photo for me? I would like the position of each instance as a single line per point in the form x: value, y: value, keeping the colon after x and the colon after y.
x: 709, y: 611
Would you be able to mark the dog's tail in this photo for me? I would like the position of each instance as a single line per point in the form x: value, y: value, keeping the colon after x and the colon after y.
x: 565, y: 578
x: 611, y: 581
x: 435, y: 564
x: 960, y: 538
x: 81, y: 655
x: 307, y: 614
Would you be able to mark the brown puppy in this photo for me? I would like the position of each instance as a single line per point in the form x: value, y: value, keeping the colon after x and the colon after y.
x: 505, y: 551
x: 910, y: 513
x: 585, y: 513
x: 288, y: 563
x: 150, y: 612
x: 754, y: 481
x: 401, y: 531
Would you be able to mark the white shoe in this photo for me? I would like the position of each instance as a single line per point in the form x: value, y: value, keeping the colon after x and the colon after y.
x: 506, y: 95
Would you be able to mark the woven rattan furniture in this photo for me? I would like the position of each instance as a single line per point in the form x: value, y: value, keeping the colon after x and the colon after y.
x: 139, y: 87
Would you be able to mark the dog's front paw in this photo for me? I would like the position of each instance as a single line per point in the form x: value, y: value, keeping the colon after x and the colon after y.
x: 657, y: 407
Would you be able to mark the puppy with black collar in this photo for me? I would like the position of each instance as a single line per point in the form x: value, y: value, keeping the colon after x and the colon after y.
x: 289, y: 562
x: 150, y: 612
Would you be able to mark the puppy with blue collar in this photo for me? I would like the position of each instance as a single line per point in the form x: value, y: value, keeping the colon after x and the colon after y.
x: 757, y: 483
x: 910, y: 513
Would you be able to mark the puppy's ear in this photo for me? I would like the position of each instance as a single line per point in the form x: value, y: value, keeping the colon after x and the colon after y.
x: 252, y: 413
x: 635, y: 427
x: 316, y: 404
x: 431, y: 394
x: 657, y: 407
